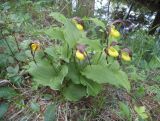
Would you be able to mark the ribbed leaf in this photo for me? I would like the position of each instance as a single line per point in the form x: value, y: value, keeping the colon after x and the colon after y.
x: 71, y: 34
x: 44, y: 73
x: 59, y: 17
x: 93, y: 88
x: 55, y: 33
x: 74, y: 92
x: 7, y: 92
x: 73, y: 74
x: 98, y: 22
x: 93, y: 44
x: 102, y: 74
x: 50, y: 114
x: 3, y: 109
x: 125, y: 111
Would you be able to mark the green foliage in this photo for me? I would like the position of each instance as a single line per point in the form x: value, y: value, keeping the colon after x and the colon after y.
x: 45, y: 74
x: 154, y: 89
x: 125, y: 111
x: 74, y: 92
x: 13, y: 74
x: 7, y: 92
x: 135, y: 74
x: 59, y: 17
x: 93, y: 88
x: 154, y: 62
x: 145, y: 49
x: 140, y: 92
x: 157, y: 78
x: 141, y: 112
x: 50, y: 114
x: 3, y: 109
x: 105, y: 74
x: 98, y: 22
x: 55, y: 33
x: 35, y: 106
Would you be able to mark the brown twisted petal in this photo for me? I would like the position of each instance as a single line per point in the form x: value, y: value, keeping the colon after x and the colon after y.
x: 81, y: 48
x: 128, y: 51
x: 79, y: 20
x: 114, y: 43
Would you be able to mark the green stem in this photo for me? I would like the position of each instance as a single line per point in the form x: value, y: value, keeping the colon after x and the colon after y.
x: 99, y: 57
x: 50, y: 62
x: 10, y: 49
x: 17, y: 43
x: 107, y: 42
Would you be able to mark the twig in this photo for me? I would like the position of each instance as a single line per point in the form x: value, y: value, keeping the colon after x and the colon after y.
x: 16, y: 114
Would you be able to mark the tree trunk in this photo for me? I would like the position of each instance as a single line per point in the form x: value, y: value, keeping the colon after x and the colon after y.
x: 155, y: 24
x: 85, y: 8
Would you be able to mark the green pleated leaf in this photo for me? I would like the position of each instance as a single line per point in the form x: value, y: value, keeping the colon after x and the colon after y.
x: 3, y: 109
x: 74, y: 92
x: 7, y: 92
x: 44, y: 74
x: 93, y: 88
x: 66, y: 53
x: 52, y: 51
x: 73, y: 74
x: 55, y: 33
x: 50, y: 114
x: 124, y: 110
x: 98, y: 22
x: 102, y: 74
x: 93, y: 44
x: 71, y: 34
x: 59, y: 17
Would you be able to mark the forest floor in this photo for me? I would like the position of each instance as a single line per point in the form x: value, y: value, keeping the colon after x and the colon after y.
x: 104, y: 107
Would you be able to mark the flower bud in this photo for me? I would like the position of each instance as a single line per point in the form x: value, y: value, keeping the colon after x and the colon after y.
x: 79, y: 27
x: 114, y: 33
x: 112, y: 52
x: 80, y: 56
x: 35, y: 46
x: 126, y: 54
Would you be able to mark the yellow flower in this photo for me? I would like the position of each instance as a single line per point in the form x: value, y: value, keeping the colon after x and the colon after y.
x: 113, y: 52
x: 78, y: 23
x: 79, y: 27
x: 80, y: 56
x: 114, y: 33
x: 35, y: 46
x: 125, y: 56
